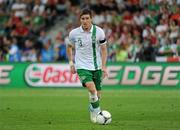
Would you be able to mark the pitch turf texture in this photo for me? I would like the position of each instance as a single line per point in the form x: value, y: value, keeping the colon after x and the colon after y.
x: 67, y: 109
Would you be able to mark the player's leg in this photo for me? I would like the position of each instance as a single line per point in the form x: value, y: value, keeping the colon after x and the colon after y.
x: 96, y: 85
x: 93, y: 97
x: 94, y: 94
x: 97, y: 81
x: 94, y: 107
x: 86, y: 78
x: 99, y: 94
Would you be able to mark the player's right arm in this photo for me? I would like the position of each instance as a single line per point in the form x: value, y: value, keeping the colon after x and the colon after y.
x: 69, y: 51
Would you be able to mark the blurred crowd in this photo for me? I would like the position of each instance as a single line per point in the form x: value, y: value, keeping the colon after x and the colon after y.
x: 23, y: 30
x: 137, y: 30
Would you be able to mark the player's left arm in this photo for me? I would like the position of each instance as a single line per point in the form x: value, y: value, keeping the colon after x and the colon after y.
x: 104, y: 57
x: 104, y: 54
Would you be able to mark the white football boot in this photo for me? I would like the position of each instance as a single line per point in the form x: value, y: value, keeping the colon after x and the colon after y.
x: 93, y: 113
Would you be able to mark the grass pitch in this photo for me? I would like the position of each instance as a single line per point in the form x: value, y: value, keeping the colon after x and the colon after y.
x: 67, y: 109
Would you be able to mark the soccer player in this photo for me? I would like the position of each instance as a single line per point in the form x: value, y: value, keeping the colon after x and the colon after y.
x: 90, y: 58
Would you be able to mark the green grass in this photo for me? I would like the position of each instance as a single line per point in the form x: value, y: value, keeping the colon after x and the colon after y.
x: 67, y: 109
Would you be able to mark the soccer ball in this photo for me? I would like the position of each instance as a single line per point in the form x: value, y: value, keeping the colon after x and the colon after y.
x: 103, y: 118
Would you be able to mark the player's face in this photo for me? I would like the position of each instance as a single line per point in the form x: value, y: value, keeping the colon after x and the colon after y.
x: 86, y: 21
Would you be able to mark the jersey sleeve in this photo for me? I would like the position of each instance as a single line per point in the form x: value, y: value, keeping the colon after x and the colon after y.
x: 102, y: 37
x: 71, y: 39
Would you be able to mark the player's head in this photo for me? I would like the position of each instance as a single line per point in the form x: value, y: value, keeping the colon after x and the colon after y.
x: 86, y: 18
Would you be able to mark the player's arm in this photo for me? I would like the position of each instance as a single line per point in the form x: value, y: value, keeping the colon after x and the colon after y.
x: 103, y: 46
x: 69, y: 51
x: 104, y: 57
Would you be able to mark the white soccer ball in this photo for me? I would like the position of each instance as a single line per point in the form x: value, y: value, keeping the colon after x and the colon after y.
x: 103, y: 118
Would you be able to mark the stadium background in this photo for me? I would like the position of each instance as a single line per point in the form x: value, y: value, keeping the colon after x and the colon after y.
x: 143, y: 43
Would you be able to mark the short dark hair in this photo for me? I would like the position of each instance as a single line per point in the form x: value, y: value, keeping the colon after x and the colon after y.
x: 86, y: 11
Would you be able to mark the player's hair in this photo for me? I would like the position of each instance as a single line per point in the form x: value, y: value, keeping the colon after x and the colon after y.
x: 86, y: 11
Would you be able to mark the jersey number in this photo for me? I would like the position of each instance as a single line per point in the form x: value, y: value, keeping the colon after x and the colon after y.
x: 80, y: 42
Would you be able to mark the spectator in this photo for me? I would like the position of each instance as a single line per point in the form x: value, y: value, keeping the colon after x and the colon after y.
x: 14, y: 52
x: 134, y: 50
x: 6, y: 42
x: 60, y: 48
x: 20, y: 8
x: 147, y: 52
x: 21, y: 30
x: 38, y: 8
x: 29, y: 52
x: 177, y: 47
x: 47, y: 52
x: 122, y: 53
x: 167, y: 49
x: 174, y: 30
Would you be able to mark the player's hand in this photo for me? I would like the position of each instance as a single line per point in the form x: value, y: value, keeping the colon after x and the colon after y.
x: 72, y: 68
x: 104, y: 71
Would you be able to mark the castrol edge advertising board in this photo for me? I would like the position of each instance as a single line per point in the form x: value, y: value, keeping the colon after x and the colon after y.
x: 50, y: 75
x: 121, y: 75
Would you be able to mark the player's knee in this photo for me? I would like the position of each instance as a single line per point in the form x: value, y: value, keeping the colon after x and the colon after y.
x: 89, y: 84
x: 93, y: 91
x: 91, y: 87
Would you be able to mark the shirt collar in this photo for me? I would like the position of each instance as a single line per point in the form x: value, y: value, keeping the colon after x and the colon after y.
x: 81, y: 29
